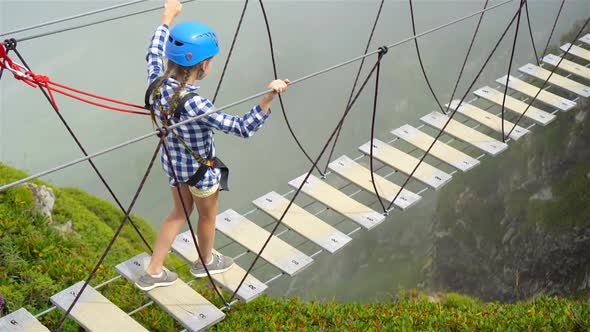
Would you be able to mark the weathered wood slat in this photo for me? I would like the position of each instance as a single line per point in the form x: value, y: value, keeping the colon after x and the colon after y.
x: 338, y: 201
x: 93, y: 311
x: 182, y: 302
x: 405, y: 163
x: 278, y: 252
x: 577, y: 51
x: 515, y: 105
x: 184, y: 246
x: 440, y: 150
x: 556, y: 79
x: 586, y: 39
x: 303, y: 222
x: 568, y: 66
x: 531, y: 91
x: 465, y: 133
x: 21, y: 320
x: 361, y: 176
x: 488, y: 119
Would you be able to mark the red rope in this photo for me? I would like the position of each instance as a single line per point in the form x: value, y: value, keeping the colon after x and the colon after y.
x: 97, y: 96
x: 35, y: 80
x: 113, y: 108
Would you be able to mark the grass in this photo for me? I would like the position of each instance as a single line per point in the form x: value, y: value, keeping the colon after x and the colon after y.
x: 36, y: 262
x: 411, y: 311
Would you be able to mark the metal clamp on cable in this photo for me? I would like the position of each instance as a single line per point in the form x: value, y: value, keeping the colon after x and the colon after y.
x: 10, y: 44
x: 163, y: 131
x: 383, y: 50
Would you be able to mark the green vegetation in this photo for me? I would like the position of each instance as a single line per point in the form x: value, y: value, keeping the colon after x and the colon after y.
x: 410, y: 312
x: 37, y: 262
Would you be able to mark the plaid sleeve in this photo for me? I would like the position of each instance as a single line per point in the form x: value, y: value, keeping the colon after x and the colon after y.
x: 155, y: 53
x: 244, y: 126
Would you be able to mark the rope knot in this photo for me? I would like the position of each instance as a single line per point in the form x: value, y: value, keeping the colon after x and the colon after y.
x: 383, y: 50
x: 39, y: 78
x: 163, y: 131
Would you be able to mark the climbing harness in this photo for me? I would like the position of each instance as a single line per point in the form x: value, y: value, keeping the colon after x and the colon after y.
x: 151, y: 94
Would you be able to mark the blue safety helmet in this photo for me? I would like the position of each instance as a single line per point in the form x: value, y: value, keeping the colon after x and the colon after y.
x: 190, y: 43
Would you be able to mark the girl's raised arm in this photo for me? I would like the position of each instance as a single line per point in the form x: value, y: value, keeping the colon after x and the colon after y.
x: 155, y: 53
x: 171, y: 9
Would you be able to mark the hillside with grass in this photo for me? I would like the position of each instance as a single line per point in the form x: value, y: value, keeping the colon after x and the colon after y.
x: 41, y: 254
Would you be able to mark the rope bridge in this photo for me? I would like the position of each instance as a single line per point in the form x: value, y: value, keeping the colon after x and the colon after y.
x: 94, y: 312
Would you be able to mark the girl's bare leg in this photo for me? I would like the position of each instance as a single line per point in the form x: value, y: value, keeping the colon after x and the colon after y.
x: 170, y: 228
x: 207, y: 208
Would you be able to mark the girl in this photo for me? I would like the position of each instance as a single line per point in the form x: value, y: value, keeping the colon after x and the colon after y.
x: 190, y: 48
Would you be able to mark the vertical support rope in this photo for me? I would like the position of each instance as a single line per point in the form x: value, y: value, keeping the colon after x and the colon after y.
x: 460, y: 102
x: 421, y: 63
x: 528, y: 19
x: 113, y: 239
x: 510, y: 67
x: 274, y: 67
x: 549, y: 77
x: 485, y: 5
x: 81, y: 147
x: 296, y: 194
x: 231, y: 49
x: 356, y: 79
x: 375, y: 98
x: 553, y: 28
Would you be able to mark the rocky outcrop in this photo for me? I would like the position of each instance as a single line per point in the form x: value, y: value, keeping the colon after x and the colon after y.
x: 44, y: 202
x: 44, y: 199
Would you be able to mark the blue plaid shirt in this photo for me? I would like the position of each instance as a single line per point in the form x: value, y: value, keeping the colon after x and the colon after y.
x: 198, y: 135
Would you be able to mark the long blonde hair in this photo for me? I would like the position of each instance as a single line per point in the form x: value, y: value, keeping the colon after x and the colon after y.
x: 179, y: 73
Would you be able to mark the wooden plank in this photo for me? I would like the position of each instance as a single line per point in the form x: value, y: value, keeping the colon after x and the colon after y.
x: 182, y: 302
x: 557, y: 80
x: 278, y: 252
x: 403, y: 162
x: 515, y: 105
x: 465, y: 133
x: 93, y: 311
x: 361, y: 176
x: 440, y: 150
x: 488, y: 119
x: 586, y: 39
x: 338, y: 201
x: 303, y: 222
x: 544, y: 96
x: 577, y: 51
x: 184, y: 246
x: 568, y: 66
x: 21, y: 320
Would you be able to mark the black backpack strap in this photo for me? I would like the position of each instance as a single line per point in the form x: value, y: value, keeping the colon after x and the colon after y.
x: 149, y: 92
x: 180, y: 106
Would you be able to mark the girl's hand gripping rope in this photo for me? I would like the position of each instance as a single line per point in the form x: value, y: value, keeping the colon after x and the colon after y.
x: 277, y: 86
x: 171, y: 9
